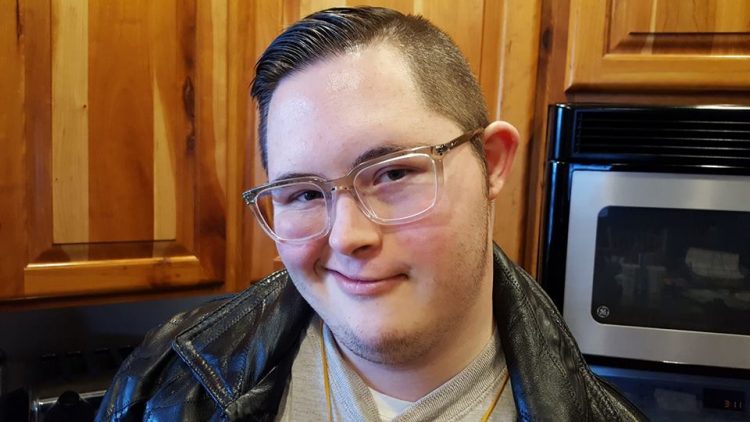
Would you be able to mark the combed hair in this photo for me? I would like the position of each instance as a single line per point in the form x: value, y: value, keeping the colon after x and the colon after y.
x: 441, y: 73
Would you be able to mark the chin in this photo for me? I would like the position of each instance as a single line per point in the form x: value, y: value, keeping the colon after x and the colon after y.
x: 387, y: 342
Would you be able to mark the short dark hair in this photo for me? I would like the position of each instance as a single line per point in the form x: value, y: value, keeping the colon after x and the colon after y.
x: 441, y: 73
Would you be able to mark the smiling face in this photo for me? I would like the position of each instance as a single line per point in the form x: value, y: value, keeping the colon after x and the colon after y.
x: 389, y: 293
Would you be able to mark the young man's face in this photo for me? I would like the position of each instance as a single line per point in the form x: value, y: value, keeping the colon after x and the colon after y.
x: 389, y: 293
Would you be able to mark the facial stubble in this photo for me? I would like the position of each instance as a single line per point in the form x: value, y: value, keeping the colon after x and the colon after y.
x: 401, y: 346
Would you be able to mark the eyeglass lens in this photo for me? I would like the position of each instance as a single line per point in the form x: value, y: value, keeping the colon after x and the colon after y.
x: 391, y: 191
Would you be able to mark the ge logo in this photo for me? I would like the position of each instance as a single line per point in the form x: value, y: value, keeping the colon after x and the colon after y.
x: 602, y: 312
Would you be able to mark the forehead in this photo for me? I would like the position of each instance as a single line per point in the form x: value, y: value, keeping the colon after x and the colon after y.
x: 324, y: 116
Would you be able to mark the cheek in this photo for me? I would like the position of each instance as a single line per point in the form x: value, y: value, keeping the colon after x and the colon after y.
x: 460, y: 212
x: 426, y: 245
x: 299, y: 259
x: 452, y: 230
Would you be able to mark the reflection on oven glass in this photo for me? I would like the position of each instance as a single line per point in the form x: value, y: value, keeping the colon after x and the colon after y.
x: 673, y: 268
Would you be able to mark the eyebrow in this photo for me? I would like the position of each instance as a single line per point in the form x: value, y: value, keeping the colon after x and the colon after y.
x: 365, y: 156
x: 375, y: 153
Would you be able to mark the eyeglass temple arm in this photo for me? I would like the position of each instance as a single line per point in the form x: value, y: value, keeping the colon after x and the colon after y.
x: 444, y: 148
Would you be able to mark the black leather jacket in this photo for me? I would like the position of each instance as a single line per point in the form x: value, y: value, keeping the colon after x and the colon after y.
x: 231, y: 360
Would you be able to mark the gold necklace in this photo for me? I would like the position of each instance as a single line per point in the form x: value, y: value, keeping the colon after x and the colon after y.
x: 327, y: 385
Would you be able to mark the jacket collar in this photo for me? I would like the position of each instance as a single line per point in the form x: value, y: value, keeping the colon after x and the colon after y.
x: 243, y: 352
x: 231, y: 350
x: 548, y: 373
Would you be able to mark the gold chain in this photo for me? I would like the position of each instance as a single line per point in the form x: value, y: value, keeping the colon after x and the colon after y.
x: 327, y: 385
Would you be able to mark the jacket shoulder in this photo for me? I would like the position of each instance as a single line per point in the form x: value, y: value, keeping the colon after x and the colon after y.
x: 154, y: 368
x: 150, y: 365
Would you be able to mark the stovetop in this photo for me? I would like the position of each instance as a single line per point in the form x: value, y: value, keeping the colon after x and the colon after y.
x: 61, y: 361
x: 65, y: 386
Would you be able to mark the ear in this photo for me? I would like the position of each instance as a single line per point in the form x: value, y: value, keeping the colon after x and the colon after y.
x: 500, y: 141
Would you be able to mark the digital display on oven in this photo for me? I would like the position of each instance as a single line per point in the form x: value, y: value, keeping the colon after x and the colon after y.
x: 724, y: 399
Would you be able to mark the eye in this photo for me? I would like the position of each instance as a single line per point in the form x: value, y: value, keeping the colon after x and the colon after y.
x: 295, y: 195
x: 391, y: 175
x: 306, y: 196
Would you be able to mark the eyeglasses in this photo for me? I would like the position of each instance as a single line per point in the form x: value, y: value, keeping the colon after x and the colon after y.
x: 396, y: 188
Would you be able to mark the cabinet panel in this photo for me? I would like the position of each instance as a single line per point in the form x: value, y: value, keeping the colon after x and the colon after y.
x: 13, y: 153
x: 659, y: 44
x: 121, y: 161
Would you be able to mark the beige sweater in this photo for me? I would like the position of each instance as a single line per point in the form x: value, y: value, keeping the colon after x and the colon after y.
x: 465, y: 397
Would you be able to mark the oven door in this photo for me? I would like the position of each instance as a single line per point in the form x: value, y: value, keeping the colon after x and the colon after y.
x: 658, y: 267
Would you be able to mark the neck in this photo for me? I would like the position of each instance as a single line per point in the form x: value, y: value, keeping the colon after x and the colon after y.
x: 450, y: 353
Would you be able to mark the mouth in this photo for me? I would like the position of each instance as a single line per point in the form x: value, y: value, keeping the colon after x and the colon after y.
x: 366, y: 286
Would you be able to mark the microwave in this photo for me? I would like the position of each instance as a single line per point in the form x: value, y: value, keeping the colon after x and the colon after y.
x: 646, y: 235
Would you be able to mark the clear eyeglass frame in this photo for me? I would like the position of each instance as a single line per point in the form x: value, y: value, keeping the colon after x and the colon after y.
x: 346, y: 183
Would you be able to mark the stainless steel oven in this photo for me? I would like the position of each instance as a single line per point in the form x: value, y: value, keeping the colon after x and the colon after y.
x: 646, y: 244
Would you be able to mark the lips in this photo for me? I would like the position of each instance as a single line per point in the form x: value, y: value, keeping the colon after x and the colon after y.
x: 365, y: 286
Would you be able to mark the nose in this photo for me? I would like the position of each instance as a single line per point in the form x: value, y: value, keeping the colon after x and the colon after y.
x: 352, y: 233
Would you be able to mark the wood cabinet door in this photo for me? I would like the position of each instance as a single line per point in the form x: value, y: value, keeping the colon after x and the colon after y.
x: 117, y: 146
x: 659, y: 45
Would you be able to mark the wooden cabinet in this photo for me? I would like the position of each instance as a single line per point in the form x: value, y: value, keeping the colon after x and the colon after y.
x: 114, y: 146
x: 658, y: 45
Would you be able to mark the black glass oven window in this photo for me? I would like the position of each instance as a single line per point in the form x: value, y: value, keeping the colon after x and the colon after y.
x: 673, y: 268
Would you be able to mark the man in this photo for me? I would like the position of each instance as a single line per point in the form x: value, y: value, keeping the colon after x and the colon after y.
x: 382, y: 170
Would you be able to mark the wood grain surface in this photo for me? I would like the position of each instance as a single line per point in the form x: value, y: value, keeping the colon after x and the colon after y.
x: 12, y: 164
x: 117, y: 146
x: 659, y: 45
x: 70, y: 121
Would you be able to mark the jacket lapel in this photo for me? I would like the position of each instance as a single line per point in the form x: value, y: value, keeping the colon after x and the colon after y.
x: 548, y: 374
x: 248, y: 343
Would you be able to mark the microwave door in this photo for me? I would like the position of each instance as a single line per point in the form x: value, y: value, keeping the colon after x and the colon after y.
x: 658, y: 266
